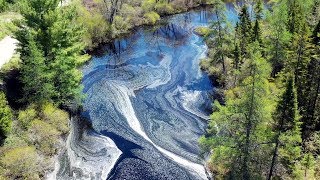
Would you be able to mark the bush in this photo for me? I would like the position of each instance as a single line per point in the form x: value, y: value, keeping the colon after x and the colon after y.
x: 44, y: 136
x: 131, y: 14
x: 26, y: 117
x: 96, y: 26
x: 57, y: 118
x: 21, y: 162
x: 164, y: 8
x: 5, y: 116
x: 151, y: 17
x: 202, y: 31
x: 148, y: 5
x: 120, y: 25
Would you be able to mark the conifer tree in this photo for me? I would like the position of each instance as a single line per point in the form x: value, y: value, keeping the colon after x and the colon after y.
x: 34, y: 74
x: 220, y: 33
x: 237, y: 137
x: 287, y: 129
x: 279, y: 37
x: 245, y: 31
x: 50, y: 34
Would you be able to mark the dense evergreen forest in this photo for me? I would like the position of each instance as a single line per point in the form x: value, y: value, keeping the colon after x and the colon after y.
x: 267, y: 65
x: 266, y: 125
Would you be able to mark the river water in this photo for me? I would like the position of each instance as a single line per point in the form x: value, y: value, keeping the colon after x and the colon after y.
x: 148, y: 103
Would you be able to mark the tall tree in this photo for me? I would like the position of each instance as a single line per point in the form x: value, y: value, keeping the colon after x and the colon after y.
x: 220, y: 33
x: 236, y: 128
x: 287, y: 129
x: 279, y: 37
x: 50, y: 34
x: 245, y: 31
x: 34, y: 74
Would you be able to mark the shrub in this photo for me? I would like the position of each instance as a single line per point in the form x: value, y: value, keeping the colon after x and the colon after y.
x: 3, y: 5
x: 151, y: 17
x: 164, y: 8
x: 21, y: 162
x: 5, y: 116
x: 202, y: 31
x: 26, y: 116
x: 57, y: 118
x: 148, y: 5
x: 96, y: 26
x: 44, y: 136
x: 120, y: 25
x: 131, y: 14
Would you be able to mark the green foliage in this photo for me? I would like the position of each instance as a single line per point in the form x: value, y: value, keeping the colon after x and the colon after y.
x: 245, y: 31
x: 151, y: 17
x: 220, y: 34
x: 120, y: 25
x: 237, y: 128
x: 3, y: 5
x: 37, y: 132
x: 50, y: 40
x: 25, y: 117
x: 247, y: 137
x: 5, y: 116
x: 44, y: 136
x: 14, y: 63
x: 21, y: 162
x: 6, y: 24
x: 55, y: 117
x: 202, y: 31
x: 164, y: 8
x: 279, y: 37
x: 148, y: 5
x: 96, y: 26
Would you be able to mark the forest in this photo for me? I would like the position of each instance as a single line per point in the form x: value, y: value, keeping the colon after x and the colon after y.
x: 267, y: 67
x: 266, y: 70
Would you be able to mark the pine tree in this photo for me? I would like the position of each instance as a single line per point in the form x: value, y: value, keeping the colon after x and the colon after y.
x: 220, y: 33
x: 34, y: 74
x: 287, y: 129
x: 50, y: 34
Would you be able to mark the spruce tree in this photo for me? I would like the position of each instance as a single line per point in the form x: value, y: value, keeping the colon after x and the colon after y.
x: 245, y: 31
x: 287, y: 130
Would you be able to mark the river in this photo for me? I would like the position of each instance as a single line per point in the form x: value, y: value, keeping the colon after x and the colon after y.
x: 147, y: 102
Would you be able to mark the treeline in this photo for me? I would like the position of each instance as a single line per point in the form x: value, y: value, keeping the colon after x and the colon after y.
x: 108, y: 19
x: 268, y: 66
x: 51, y: 49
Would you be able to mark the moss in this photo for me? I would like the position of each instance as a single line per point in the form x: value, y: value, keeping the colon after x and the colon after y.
x: 202, y: 31
x: 151, y: 17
